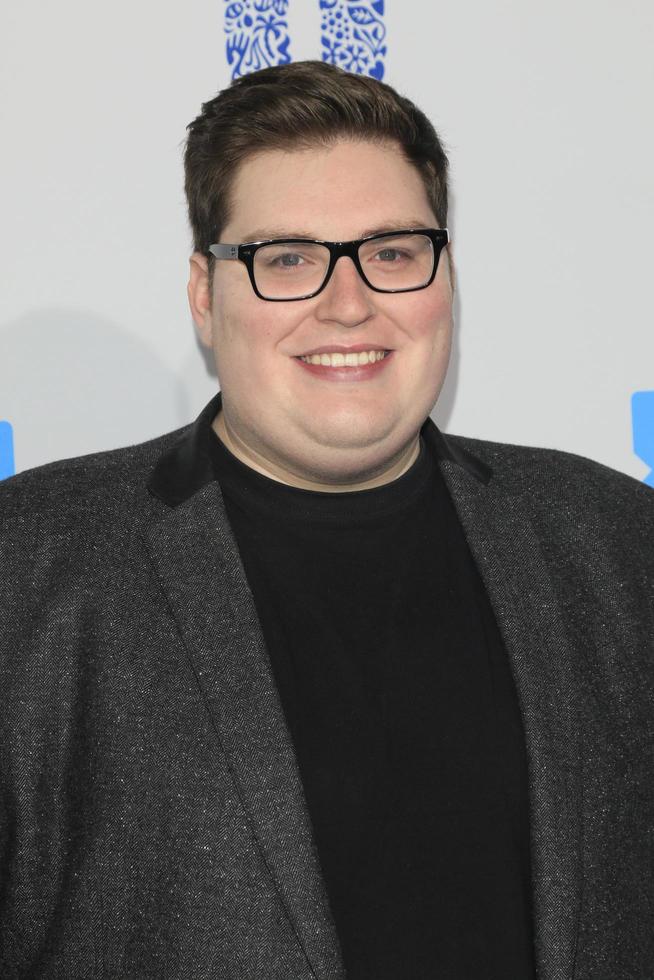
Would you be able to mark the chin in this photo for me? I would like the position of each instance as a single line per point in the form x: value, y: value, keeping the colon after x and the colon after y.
x: 351, y: 459
x: 342, y: 441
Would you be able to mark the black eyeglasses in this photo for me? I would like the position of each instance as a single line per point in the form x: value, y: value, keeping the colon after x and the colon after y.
x: 286, y: 269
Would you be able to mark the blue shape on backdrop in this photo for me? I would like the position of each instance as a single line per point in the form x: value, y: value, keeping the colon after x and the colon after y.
x: 6, y: 450
x: 642, y: 414
x: 257, y: 35
x: 352, y: 35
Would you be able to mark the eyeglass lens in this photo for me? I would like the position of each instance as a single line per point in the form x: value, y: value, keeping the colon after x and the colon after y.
x: 287, y: 271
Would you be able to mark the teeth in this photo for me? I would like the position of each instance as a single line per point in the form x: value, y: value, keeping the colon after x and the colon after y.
x: 345, y: 360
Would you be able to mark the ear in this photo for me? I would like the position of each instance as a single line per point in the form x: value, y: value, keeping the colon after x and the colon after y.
x: 199, y: 296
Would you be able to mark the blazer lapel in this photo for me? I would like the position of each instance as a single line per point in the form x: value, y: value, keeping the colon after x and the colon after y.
x: 197, y: 561
x: 517, y: 578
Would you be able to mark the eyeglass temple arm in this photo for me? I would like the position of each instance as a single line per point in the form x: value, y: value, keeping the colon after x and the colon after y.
x: 224, y: 251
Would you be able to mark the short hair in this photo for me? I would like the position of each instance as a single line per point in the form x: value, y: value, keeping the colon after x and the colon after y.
x: 296, y: 106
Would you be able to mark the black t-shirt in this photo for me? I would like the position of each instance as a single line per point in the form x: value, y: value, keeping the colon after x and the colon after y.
x: 401, y: 705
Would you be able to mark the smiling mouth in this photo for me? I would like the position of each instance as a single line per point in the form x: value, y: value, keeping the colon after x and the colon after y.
x: 337, y: 359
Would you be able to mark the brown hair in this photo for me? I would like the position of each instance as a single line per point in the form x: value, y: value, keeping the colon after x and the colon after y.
x: 302, y: 104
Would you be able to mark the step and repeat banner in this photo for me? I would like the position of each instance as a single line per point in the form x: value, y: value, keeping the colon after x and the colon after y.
x: 546, y: 113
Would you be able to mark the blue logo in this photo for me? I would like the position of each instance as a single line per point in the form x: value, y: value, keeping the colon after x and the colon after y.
x: 257, y: 35
x: 6, y: 450
x: 352, y: 35
x: 642, y: 413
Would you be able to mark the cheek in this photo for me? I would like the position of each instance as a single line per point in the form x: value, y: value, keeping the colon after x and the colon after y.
x: 429, y: 319
x: 234, y: 316
x: 246, y: 338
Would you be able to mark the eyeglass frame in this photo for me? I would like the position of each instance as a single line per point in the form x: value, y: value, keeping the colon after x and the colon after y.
x: 245, y: 252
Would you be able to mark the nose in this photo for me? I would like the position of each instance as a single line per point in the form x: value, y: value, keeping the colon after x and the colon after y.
x: 345, y: 299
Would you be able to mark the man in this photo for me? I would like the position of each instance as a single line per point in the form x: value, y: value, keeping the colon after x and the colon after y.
x: 308, y: 689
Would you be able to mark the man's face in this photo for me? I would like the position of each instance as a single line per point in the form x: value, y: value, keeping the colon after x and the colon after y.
x: 333, y: 426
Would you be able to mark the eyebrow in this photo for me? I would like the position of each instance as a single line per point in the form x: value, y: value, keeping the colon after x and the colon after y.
x: 262, y: 234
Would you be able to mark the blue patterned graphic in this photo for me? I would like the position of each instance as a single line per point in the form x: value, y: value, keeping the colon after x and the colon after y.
x: 6, y: 450
x: 352, y: 35
x: 642, y: 413
x: 257, y: 34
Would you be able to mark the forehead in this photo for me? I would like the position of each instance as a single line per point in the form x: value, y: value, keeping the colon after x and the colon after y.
x: 348, y: 188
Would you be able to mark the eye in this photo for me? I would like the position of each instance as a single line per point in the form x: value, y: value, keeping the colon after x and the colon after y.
x: 390, y: 255
x: 286, y: 260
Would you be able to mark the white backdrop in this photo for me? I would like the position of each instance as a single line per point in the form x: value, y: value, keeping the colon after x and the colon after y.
x: 547, y: 114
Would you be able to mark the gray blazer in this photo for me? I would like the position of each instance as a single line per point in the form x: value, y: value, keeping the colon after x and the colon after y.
x: 152, y: 820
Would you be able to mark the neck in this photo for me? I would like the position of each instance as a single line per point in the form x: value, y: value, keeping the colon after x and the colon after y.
x: 282, y: 474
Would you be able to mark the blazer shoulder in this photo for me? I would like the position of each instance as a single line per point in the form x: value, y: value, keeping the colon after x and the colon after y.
x: 63, y: 492
x: 556, y: 479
